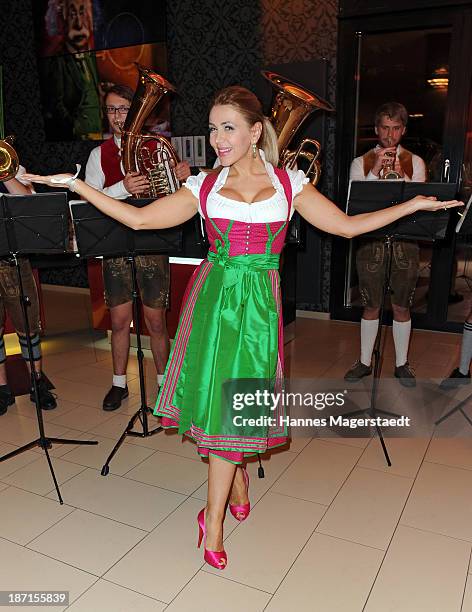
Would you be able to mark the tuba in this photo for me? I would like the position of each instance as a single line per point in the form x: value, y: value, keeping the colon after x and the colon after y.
x: 150, y: 155
x: 9, y: 162
x: 291, y: 105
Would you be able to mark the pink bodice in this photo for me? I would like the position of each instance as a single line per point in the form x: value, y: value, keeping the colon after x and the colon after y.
x: 248, y: 238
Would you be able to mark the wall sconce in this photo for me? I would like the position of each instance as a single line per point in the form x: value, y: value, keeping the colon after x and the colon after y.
x: 440, y: 78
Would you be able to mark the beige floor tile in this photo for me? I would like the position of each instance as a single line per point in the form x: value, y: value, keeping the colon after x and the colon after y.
x: 455, y: 452
x: 318, y: 471
x: 440, y: 501
x: 36, y: 476
x: 15, y: 463
x: 104, y: 596
x: 126, y: 458
x: 25, y: 515
x: 162, y: 564
x: 114, y: 426
x: 169, y: 441
x: 170, y: 472
x: 467, y: 603
x: 91, y: 373
x: 25, y: 407
x: 297, y: 444
x: 59, y: 450
x: 262, y: 549
x: 82, y: 417
x: 87, y: 541
x: 27, y: 570
x: 406, y: 455
x: 422, y: 572
x: 315, y: 576
x: 360, y: 514
x: 105, y: 362
x: 65, y: 360
x: 347, y: 440
x: 90, y: 395
x: 205, y: 588
x: 20, y: 430
x: 120, y: 499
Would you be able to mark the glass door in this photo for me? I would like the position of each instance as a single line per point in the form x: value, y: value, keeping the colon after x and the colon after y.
x: 417, y: 60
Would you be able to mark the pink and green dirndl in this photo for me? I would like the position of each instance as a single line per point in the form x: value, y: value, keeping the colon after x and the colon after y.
x: 230, y: 335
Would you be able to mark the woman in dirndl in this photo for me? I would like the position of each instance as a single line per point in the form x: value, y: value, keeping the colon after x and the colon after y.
x: 228, y: 349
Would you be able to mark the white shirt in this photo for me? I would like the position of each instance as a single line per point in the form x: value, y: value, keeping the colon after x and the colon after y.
x: 357, y: 169
x: 95, y: 177
x: 266, y: 211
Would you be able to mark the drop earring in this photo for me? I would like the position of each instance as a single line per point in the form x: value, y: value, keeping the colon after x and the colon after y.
x: 254, y: 150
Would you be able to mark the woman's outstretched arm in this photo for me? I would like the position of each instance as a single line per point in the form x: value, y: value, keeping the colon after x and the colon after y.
x: 169, y: 211
x: 326, y: 216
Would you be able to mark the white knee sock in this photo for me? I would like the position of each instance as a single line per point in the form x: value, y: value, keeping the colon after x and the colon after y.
x: 401, y: 331
x: 368, y: 335
x: 466, y: 349
x: 119, y: 380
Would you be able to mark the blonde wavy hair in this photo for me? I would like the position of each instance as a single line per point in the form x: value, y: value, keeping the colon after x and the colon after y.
x: 247, y: 103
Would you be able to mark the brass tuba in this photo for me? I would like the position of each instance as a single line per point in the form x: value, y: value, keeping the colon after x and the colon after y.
x: 9, y: 162
x: 291, y: 105
x: 157, y: 161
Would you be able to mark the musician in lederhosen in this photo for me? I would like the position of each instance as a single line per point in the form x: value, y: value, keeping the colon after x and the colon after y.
x: 10, y: 303
x: 105, y: 172
x: 387, y: 160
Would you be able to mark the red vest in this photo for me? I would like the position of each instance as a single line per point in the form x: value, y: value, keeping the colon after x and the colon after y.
x: 110, y: 160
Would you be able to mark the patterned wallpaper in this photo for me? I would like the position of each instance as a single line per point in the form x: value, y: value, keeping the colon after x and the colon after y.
x: 210, y: 44
x: 230, y: 42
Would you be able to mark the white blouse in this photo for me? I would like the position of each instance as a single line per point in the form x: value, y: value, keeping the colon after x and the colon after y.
x: 266, y: 211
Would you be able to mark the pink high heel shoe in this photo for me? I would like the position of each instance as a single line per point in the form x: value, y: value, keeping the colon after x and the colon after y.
x: 215, y: 558
x: 241, y: 512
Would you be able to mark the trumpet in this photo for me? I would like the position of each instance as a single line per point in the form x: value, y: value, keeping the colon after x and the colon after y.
x: 291, y: 105
x: 9, y: 162
x: 388, y: 172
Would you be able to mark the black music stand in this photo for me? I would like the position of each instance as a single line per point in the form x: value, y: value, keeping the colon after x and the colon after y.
x: 29, y: 225
x: 99, y: 235
x: 463, y: 227
x: 369, y: 196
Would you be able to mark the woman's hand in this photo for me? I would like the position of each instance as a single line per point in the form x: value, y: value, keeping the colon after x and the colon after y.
x: 431, y: 203
x: 53, y: 180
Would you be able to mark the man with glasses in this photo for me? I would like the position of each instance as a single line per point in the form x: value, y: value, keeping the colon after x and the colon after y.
x: 104, y: 171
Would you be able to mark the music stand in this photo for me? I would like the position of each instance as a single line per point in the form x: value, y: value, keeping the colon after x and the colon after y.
x: 24, y: 233
x: 100, y: 235
x: 369, y: 196
x: 463, y: 227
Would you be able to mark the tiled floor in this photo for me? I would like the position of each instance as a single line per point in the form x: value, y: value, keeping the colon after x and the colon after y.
x: 332, y: 527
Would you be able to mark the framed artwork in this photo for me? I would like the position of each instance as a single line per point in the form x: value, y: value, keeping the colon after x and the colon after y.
x: 85, y: 47
x: 2, y: 124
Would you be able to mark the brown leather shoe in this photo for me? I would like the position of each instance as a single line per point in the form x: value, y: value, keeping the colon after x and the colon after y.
x: 358, y: 371
x: 406, y: 375
x: 112, y: 400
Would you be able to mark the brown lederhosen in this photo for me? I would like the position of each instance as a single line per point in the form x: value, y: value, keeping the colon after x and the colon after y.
x: 152, y: 273
x: 370, y: 257
x: 10, y: 296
